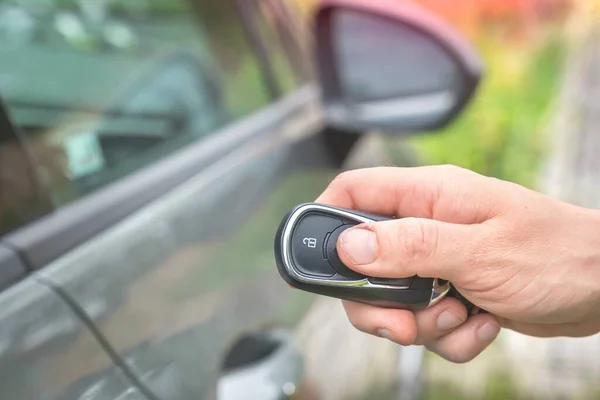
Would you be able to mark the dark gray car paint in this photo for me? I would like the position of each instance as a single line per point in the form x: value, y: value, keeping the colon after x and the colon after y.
x: 163, y: 272
x: 12, y: 268
x: 46, y: 352
x: 183, y: 278
x: 41, y: 242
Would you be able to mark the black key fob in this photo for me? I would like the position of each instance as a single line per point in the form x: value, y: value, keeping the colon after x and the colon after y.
x: 306, y: 255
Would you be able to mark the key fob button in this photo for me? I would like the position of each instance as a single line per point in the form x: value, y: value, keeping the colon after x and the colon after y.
x: 308, y: 241
x: 333, y: 257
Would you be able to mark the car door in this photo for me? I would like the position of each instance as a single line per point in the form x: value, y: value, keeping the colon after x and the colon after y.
x: 41, y: 356
x: 169, y: 150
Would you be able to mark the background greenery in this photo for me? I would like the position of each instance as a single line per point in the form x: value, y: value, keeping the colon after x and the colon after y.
x: 501, y: 133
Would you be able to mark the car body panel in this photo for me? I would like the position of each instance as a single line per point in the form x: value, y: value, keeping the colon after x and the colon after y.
x: 167, y: 270
x: 47, y: 352
x: 185, y: 277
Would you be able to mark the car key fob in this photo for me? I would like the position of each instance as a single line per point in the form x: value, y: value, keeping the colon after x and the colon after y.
x: 306, y: 255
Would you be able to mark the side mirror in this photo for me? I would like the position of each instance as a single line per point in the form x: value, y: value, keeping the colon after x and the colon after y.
x: 392, y: 66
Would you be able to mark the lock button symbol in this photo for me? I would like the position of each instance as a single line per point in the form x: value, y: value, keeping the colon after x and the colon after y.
x: 310, y: 242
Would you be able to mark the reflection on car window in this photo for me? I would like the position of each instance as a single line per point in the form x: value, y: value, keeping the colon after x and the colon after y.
x: 282, y: 37
x: 100, y: 89
x: 22, y: 198
x: 373, y: 63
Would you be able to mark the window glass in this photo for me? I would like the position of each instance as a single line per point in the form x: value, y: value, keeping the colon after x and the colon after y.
x: 22, y: 197
x: 101, y: 88
x: 281, y: 36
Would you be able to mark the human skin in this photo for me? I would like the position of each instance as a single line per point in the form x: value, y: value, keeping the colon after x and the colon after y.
x: 531, y: 261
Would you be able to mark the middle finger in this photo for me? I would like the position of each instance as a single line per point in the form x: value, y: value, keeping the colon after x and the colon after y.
x: 439, y: 320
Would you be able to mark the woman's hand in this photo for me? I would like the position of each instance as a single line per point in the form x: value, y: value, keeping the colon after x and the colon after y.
x: 533, y: 262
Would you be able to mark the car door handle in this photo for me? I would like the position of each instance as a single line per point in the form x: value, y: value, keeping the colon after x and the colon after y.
x: 264, y: 365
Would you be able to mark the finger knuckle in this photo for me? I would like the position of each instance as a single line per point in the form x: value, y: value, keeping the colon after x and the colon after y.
x: 343, y: 183
x: 452, y: 170
x: 343, y: 178
x: 419, y: 240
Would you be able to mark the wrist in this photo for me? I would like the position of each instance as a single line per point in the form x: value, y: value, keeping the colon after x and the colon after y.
x: 590, y: 260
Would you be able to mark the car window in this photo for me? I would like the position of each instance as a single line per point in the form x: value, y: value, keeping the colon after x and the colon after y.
x: 283, y: 42
x: 100, y: 89
x: 22, y: 198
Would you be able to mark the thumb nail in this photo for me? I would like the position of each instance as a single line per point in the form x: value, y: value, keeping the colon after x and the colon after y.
x: 359, y: 245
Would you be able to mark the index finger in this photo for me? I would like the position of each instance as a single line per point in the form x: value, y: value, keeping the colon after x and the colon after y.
x: 444, y: 193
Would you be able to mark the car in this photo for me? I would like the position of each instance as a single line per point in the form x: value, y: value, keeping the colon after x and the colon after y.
x: 148, y: 151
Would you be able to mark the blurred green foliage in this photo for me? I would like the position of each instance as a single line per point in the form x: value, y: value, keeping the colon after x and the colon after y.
x: 244, y: 89
x: 501, y: 133
x: 497, y: 387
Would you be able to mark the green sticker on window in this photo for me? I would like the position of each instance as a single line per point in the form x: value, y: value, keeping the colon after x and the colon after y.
x: 84, y: 154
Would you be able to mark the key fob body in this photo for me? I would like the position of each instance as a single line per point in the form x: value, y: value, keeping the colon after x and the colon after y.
x: 307, y: 259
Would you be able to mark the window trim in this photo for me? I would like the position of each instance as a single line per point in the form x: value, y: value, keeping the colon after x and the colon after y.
x: 46, y: 239
x: 258, y: 45
x: 301, y: 75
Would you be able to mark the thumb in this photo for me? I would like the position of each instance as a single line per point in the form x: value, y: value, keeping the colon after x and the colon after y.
x: 409, y: 246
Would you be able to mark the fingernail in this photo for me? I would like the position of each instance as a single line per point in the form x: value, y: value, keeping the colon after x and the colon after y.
x: 384, y: 333
x: 359, y: 245
x: 449, y: 319
x: 488, y: 332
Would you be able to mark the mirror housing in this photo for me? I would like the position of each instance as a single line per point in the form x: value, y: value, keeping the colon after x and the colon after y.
x: 391, y: 66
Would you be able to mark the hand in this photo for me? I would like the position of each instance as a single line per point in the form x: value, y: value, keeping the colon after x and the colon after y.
x: 533, y: 262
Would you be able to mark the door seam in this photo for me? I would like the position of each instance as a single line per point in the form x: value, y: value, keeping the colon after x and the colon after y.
x: 98, y: 336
